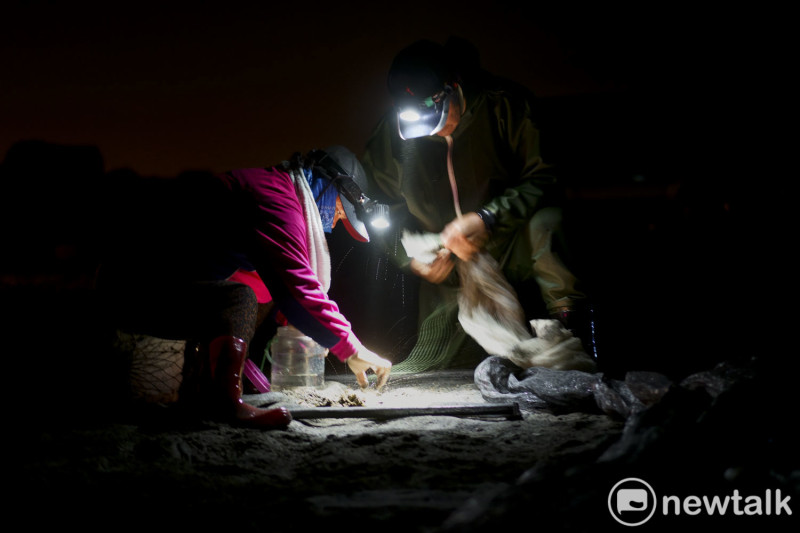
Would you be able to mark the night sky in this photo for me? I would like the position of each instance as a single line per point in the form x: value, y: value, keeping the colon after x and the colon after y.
x: 162, y: 89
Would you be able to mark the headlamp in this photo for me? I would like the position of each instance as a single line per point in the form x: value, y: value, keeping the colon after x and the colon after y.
x: 376, y: 213
x: 366, y: 209
x: 380, y: 216
x: 421, y: 117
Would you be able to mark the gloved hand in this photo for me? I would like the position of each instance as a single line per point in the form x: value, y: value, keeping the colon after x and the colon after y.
x: 364, y: 360
x: 465, y: 236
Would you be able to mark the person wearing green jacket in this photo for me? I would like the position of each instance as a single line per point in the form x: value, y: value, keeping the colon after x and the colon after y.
x: 459, y: 155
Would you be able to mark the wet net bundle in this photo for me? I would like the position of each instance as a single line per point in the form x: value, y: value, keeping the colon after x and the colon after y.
x: 490, y: 313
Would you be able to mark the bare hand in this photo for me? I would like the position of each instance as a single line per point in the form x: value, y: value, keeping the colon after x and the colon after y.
x: 364, y: 360
x: 465, y: 236
x: 437, y: 271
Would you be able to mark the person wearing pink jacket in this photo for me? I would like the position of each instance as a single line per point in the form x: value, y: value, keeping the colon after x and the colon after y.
x: 213, y: 256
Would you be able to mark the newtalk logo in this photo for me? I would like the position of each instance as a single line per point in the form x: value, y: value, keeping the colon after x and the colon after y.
x: 632, y: 502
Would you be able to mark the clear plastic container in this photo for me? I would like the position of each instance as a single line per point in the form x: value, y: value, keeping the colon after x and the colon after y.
x: 297, y: 360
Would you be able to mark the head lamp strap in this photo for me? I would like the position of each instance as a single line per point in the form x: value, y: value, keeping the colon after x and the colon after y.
x: 345, y: 183
x: 350, y: 189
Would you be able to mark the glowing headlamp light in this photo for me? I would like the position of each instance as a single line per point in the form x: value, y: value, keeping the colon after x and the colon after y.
x: 409, y: 115
x: 366, y: 209
x: 376, y: 213
x: 379, y: 218
x: 418, y: 118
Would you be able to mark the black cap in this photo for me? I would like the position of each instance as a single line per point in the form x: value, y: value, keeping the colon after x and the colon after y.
x: 421, y: 69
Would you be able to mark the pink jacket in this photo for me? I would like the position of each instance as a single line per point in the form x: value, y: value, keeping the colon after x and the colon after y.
x: 281, y: 258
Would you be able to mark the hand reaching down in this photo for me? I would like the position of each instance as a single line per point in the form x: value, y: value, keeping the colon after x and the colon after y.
x: 364, y: 360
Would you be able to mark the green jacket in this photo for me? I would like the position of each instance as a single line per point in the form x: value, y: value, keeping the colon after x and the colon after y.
x: 496, y: 162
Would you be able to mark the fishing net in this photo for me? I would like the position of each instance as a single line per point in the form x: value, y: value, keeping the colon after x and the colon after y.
x: 155, y: 366
x: 490, y: 313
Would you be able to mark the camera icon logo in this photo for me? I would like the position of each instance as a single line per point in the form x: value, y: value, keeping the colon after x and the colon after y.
x: 632, y: 502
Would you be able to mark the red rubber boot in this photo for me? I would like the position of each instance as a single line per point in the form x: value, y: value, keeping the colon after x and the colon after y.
x: 226, y: 357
